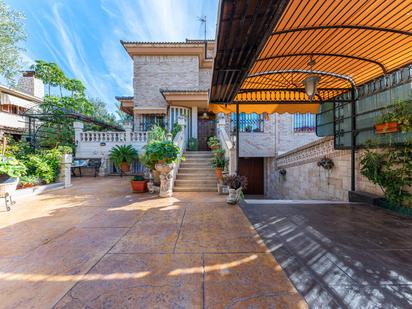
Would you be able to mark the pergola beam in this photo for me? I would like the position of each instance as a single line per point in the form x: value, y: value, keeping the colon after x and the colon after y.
x: 356, y: 27
x: 383, y: 68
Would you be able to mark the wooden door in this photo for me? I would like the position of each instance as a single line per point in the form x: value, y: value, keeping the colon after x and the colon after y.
x: 253, y: 169
x: 205, y: 129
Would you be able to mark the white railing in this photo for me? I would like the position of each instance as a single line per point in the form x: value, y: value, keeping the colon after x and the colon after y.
x: 180, y: 141
x: 228, y: 147
x: 113, y: 137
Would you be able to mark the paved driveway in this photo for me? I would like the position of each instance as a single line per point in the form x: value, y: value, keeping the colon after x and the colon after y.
x: 339, y: 255
x: 96, y: 245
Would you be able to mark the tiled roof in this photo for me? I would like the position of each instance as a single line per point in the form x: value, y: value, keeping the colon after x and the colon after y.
x: 124, y: 98
x: 187, y: 42
x: 183, y: 90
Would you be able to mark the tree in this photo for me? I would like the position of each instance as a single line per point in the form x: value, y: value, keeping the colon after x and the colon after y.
x: 57, y: 129
x: 11, y: 35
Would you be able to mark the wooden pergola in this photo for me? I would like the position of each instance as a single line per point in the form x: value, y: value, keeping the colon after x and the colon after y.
x: 265, y: 49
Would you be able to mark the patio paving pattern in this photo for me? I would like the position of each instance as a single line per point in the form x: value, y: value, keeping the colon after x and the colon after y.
x: 96, y: 245
x: 339, y: 255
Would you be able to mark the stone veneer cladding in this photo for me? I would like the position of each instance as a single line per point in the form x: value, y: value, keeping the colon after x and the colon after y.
x: 305, y: 180
x: 151, y: 73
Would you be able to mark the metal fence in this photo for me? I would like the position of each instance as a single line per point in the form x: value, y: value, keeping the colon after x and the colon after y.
x: 248, y: 123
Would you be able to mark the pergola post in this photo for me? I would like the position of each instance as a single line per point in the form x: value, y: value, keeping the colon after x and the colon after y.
x: 237, y: 137
x: 353, y: 140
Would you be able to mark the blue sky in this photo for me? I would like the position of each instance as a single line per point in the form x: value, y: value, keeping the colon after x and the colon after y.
x: 83, y: 36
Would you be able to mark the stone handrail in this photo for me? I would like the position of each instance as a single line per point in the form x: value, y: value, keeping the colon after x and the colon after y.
x: 228, y: 147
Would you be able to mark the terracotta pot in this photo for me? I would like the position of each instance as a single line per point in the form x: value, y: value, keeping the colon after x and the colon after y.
x: 139, y: 186
x: 387, y: 127
x: 216, y: 147
x: 219, y: 173
x: 125, y: 167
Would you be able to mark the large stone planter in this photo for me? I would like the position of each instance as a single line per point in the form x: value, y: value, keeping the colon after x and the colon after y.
x: 234, y: 196
x: 166, y: 179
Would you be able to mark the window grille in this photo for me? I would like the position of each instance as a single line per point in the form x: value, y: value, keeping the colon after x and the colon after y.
x: 248, y: 122
x: 304, y: 123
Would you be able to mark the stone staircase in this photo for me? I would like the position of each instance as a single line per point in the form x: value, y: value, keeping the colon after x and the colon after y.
x: 195, y: 174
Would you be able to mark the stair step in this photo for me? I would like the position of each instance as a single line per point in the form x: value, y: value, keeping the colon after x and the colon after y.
x: 195, y: 165
x: 195, y: 189
x: 195, y: 176
x: 195, y: 183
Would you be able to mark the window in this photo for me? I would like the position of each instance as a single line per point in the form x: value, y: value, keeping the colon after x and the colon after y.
x: 148, y: 121
x: 304, y: 123
x: 248, y: 122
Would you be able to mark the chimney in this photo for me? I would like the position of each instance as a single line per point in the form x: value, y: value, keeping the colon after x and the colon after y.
x: 29, y: 84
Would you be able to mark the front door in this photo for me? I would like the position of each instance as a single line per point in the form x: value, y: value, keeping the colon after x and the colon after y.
x: 206, y: 129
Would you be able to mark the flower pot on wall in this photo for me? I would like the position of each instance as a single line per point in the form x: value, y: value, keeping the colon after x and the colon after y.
x: 125, y: 167
x: 387, y: 127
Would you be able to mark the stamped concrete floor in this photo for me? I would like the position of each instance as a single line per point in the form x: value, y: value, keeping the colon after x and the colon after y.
x: 339, y: 255
x: 96, y: 245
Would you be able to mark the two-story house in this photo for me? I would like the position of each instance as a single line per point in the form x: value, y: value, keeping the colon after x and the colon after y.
x: 173, y: 79
x: 14, y: 103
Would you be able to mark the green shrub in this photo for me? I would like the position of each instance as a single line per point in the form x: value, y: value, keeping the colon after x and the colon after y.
x: 391, y: 169
x: 213, y: 141
x: 138, y: 178
x: 176, y: 129
x: 157, y: 133
x: 11, y: 167
x: 162, y: 151
x: 45, y: 165
x: 193, y: 144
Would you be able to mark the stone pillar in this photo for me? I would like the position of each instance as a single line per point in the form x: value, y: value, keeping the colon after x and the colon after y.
x: 65, y: 170
x: 194, y: 122
x: 128, y: 128
x: 78, y: 128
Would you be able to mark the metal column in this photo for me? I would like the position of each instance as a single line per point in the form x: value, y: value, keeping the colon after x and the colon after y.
x: 237, y: 137
x: 353, y: 140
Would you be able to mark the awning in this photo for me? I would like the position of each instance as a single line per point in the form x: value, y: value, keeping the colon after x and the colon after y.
x: 265, y: 108
x: 7, y: 99
x: 264, y: 48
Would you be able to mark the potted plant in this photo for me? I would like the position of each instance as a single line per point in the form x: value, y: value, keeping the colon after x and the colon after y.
x: 326, y: 163
x: 28, y: 181
x: 213, y: 143
x: 236, y: 184
x: 165, y: 154
x: 10, y: 171
x: 193, y: 144
x: 123, y: 156
x: 219, y: 163
x: 139, y: 184
x: 149, y: 161
x: 395, y: 118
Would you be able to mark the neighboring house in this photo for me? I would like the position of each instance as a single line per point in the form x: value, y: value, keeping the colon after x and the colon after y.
x: 14, y: 103
x: 171, y: 81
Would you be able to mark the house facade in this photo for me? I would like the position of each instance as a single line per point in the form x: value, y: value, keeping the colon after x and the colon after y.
x: 14, y: 103
x: 171, y: 82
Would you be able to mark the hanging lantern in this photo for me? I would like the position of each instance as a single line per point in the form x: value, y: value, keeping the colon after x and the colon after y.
x: 311, y: 83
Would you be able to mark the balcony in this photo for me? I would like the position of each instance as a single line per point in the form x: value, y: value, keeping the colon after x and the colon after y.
x: 12, y: 121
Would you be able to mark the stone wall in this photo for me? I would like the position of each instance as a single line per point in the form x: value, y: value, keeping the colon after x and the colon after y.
x: 305, y: 180
x: 31, y: 85
x: 260, y: 144
x: 152, y: 73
